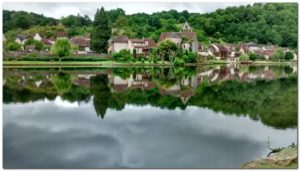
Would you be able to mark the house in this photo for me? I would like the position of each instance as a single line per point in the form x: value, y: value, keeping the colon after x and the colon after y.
x: 118, y: 43
x: 186, y: 38
x: 62, y: 35
x: 29, y: 48
x: 83, y: 44
x: 47, y: 42
x: 214, y: 49
x: 21, y: 39
x: 137, y: 45
x: 37, y: 37
x: 149, y: 45
x: 140, y: 46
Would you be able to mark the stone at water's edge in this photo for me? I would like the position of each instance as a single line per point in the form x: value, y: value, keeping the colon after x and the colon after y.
x: 286, y: 158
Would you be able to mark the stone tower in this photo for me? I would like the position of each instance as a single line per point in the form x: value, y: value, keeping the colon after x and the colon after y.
x: 186, y: 27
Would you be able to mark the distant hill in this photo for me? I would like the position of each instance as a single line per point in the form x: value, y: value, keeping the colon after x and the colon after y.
x: 270, y: 23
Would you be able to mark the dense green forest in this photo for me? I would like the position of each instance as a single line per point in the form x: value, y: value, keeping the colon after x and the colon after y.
x: 270, y: 23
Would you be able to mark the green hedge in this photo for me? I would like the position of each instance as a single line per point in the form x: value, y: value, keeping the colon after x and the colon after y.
x: 52, y: 58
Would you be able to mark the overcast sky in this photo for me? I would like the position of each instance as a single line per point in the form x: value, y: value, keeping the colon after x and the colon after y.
x: 58, y: 10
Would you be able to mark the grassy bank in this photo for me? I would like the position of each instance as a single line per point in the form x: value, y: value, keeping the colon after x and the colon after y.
x: 12, y: 64
x: 110, y: 63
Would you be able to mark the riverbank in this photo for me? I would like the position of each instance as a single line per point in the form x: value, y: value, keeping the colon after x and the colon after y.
x: 13, y: 64
x: 286, y: 158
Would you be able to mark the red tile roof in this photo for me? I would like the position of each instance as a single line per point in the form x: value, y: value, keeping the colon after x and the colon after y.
x: 150, y: 41
x: 137, y: 40
x: 81, y: 41
x: 120, y: 39
x: 46, y: 41
x: 188, y: 35
x: 61, y: 34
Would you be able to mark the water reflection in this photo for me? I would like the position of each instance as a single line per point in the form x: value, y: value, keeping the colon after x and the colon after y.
x: 205, y: 117
x: 266, y: 93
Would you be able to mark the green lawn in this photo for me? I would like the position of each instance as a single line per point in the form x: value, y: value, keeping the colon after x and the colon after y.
x: 110, y: 63
x: 76, y: 63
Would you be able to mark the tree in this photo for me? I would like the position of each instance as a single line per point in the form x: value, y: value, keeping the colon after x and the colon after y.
x: 155, y: 22
x: 252, y: 56
x: 278, y: 55
x: 121, y: 22
x: 244, y: 57
x: 289, y: 55
x: 62, y: 47
x: 22, y: 22
x: 101, y: 32
x: 167, y: 50
x: 62, y: 82
x: 182, y: 19
x: 38, y: 45
x: 73, y: 31
x: 124, y: 55
x: 102, y: 95
x: 71, y: 21
x: 13, y: 46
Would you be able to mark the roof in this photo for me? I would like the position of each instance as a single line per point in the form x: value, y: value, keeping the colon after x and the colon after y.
x: 80, y: 41
x: 137, y: 40
x: 21, y: 37
x: 61, y: 34
x: 30, y: 47
x: 120, y: 39
x: 150, y: 41
x: 188, y: 35
x: 186, y: 26
x: 47, y: 41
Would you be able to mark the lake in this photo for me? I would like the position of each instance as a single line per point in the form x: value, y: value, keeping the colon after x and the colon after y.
x: 194, y: 117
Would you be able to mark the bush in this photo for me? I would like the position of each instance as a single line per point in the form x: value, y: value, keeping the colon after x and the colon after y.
x: 289, y: 55
x: 62, y: 47
x: 252, y: 56
x: 13, y: 46
x: 244, y: 57
x: 38, y: 45
x: 278, y: 54
x: 124, y: 56
x: 179, y: 62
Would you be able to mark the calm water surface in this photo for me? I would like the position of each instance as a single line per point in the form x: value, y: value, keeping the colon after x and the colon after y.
x: 205, y: 117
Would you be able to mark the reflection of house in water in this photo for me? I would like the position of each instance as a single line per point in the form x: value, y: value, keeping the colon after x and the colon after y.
x: 83, y: 80
x: 137, y: 81
x: 118, y: 83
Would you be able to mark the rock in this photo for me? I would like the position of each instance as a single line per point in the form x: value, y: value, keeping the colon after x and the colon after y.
x: 286, y: 158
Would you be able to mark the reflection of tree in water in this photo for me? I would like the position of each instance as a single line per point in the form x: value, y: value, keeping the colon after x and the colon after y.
x: 62, y: 82
x: 274, y: 102
x: 99, y: 88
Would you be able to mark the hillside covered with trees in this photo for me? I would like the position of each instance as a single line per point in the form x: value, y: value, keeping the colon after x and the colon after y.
x: 270, y: 23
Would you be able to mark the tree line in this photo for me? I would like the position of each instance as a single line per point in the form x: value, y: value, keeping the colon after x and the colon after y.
x: 269, y: 23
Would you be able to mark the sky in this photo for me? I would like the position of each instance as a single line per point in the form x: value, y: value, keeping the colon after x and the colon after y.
x: 59, y: 9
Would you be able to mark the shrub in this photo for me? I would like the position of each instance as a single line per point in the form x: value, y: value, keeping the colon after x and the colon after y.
x: 244, y: 57
x: 278, y: 54
x: 179, y: 62
x: 13, y: 46
x: 252, y: 56
x: 124, y: 55
x: 62, y: 47
x: 289, y: 55
x: 38, y: 45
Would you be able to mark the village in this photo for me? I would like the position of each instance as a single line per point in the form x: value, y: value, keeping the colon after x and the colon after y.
x: 186, y: 40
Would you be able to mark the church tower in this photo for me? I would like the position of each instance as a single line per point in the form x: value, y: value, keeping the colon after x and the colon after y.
x: 186, y: 28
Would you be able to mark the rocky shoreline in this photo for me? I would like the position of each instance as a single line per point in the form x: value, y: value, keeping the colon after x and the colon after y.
x: 285, y: 158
